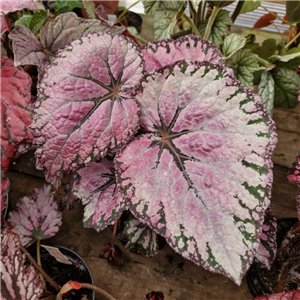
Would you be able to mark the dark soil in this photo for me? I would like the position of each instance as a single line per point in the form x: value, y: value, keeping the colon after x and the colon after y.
x: 62, y: 273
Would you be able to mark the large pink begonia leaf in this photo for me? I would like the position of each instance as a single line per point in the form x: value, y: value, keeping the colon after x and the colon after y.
x: 56, y: 34
x: 202, y: 175
x: 8, y: 6
x: 84, y: 108
x: 96, y: 186
x: 16, y: 111
x: 190, y: 48
x: 37, y: 217
x: 18, y: 281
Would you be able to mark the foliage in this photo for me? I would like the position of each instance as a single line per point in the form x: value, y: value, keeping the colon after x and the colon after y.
x: 170, y: 130
x: 18, y: 281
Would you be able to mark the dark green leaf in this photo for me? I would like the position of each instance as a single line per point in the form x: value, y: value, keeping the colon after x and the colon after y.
x: 37, y: 21
x: 268, y: 48
x: 291, y: 64
x: 293, y: 11
x: 244, y: 64
x: 62, y: 7
x: 266, y: 90
x: 287, y: 85
x: 23, y: 20
x: 219, y: 29
x: 222, y: 3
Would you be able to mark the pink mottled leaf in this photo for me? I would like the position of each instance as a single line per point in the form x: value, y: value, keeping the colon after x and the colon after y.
x: 294, y: 171
x: 266, y: 253
x: 8, y: 6
x: 18, y: 281
x: 56, y: 34
x: 201, y: 176
x: 96, y: 187
x: 37, y: 217
x: 15, y: 111
x: 84, y: 108
x: 192, y: 48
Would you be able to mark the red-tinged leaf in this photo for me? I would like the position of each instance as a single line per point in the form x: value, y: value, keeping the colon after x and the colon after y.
x: 96, y: 187
x: 8, y: 6
x: 284, y: 18
x: 265, y: 20
x: 69, y: 286
x: 290, y: 295
x: 55, y: 35
x: 155, y: 296
x: 18, y: 281
x: 16, y: 111
x: 4, y: 25
x: 36, y: 217
x: 266, y: 253
x: 191, y: 48
x: 294, y: 171
x: 84, y: 108
x: 201, y: 177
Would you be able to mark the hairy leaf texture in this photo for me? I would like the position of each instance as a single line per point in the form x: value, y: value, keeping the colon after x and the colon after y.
x: 95, y: 185
x: 190, y: 48
x: 201, y: 176
x: 18, y: 281
x: 84, y: 106
x: 16, y: 111
x: 37, y: 217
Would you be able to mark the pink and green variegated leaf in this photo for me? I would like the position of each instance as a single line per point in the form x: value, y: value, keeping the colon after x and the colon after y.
x: 96, y: 186
x: 55, y: 35
x: 4, y: 25
x: 84, y: 106
x: 141, y: 239
x: 36, y: 217
x: 8, y: 6
x: 201, y: 176
x: 190, y: 48
x: 266, y: 253
x: 18, y: 281
x: 16, y: 107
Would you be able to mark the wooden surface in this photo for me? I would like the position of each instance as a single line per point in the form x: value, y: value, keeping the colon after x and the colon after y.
x: 288, y: 129
x: 168, y: 272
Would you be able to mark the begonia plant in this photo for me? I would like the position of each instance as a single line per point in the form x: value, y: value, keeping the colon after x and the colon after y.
x: 170, y: 131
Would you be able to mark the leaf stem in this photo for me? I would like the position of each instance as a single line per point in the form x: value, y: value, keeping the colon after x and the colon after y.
x: 97, y: 289
x: 124, y: 12
x: 210, y: 23
x: 237, y: 10
x: 36, y: 265
x: 38, y: 257
x: 194, y: 28
x: 292, y: 41
x: 114, y: 232
x: 262, y: 61
x: 279, y: 18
